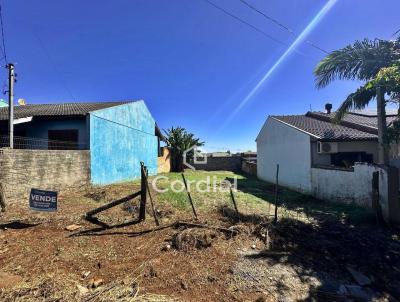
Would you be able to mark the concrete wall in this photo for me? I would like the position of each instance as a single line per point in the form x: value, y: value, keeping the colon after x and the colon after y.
x: 221, y: 163
x: 164, y: 161
x: 249, y: 167
x: 120, y: 138
x: 355, y: 186
x: 280, y: 144
x: 21, y: 170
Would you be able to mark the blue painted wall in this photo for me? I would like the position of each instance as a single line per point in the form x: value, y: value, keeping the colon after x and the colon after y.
x: 39, y: 127
x: 120, y: 138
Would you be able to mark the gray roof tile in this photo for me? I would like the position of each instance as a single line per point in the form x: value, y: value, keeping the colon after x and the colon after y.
x: 358, y: 118
x: 66, y: 109
x: 326, y: 130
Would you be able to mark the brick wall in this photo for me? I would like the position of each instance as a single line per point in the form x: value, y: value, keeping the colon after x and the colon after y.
x: 225, y: 163
x: 21, y: 170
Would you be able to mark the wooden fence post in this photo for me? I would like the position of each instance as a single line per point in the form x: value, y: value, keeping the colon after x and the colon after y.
x: 2, y: 198
x: 143, y: 192
x: 234, y: 201
x: 151, y: 199
x: 276, y: 193
x: 190, y: 197
x: 375, y: 197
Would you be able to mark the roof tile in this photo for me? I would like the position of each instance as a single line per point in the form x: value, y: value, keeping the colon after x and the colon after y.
x: 325, y: 130
x: 66, y: 109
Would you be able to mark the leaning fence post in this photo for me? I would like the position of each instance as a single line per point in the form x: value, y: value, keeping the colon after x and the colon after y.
x: 375, y: 197
x: 276, y: 193
x: 234, y: 201
x: 2, y: 198
x: 143, y: 192
x: 151, y: 199
x: 190, y: 197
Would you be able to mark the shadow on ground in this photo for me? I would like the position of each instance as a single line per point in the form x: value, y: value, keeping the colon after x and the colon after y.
x: 335, y: 240
x: 17, y: 225
x: 328, y: 249
x: 302, y: 203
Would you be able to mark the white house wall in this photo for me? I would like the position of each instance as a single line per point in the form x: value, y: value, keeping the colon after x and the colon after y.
x: 278, y: 143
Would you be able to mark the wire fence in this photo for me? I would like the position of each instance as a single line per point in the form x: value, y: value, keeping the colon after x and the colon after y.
x: 33, y: 143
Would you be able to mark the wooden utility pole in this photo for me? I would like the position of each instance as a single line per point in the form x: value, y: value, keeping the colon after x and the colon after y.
x: 11, y: 80
x: 383, y: 151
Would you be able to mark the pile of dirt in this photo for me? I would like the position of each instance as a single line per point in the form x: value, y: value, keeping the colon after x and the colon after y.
x: 190, y: 239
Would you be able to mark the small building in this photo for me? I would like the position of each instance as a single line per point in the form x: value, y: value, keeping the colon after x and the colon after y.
x: 301, y: 143
x: 118, y: 135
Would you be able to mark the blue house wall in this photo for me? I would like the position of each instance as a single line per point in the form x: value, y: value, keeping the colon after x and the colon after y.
x: 120, y: 138
x: 38, y: 128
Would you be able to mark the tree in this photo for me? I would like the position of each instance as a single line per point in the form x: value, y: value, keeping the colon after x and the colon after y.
x: 376, y: 62
x: 179, y: 140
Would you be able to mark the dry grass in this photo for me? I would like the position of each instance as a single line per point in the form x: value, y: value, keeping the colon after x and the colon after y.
x: 205, y: 265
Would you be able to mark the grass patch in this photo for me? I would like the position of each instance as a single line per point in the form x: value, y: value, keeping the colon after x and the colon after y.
x: 253, y: 197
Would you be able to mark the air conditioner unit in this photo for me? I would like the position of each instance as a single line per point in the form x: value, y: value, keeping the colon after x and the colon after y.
x: 325, y: 147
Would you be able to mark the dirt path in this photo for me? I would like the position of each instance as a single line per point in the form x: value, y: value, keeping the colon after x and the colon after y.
x: 293, y: 261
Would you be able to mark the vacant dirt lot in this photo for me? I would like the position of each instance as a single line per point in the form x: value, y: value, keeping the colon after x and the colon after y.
x: 316, y: 250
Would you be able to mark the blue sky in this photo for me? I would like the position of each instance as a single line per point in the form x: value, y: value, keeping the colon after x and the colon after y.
x: 191, y: 63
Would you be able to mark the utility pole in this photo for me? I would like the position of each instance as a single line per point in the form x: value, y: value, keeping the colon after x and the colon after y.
x: 383, y: 152
x: 11, y: 80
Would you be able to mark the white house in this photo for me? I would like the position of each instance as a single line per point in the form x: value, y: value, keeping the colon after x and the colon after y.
x: 331, y: 161
x: 299, y: 143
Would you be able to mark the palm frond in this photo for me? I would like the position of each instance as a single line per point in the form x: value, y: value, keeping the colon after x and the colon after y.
x: 356, y: 100
x: 361, y: 60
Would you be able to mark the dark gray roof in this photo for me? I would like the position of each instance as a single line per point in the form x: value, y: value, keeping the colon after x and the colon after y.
x: 368, y: 119
x: 320, y: 125
x: 66, y: 109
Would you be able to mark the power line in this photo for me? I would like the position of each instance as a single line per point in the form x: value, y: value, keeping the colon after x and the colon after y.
x: 2, y: 35
x: 245, y: 22
x: 268, y: 17
x: 281, y: 25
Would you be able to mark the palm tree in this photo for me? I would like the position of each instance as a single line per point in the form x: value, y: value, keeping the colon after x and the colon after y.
x: 377, y: 63
x: 179, y: 140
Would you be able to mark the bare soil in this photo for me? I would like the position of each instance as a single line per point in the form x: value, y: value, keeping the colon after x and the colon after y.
x: 294, y: 260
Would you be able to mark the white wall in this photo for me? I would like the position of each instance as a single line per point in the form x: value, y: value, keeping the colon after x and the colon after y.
x: 356, y: 187
x: 343, y: 186
x: 278, y: 143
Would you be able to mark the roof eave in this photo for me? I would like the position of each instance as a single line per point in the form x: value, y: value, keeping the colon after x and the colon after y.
x: 294, y: 127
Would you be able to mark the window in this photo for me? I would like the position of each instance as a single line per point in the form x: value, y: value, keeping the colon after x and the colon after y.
x: 66, y: 139
x: 347, y: 159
